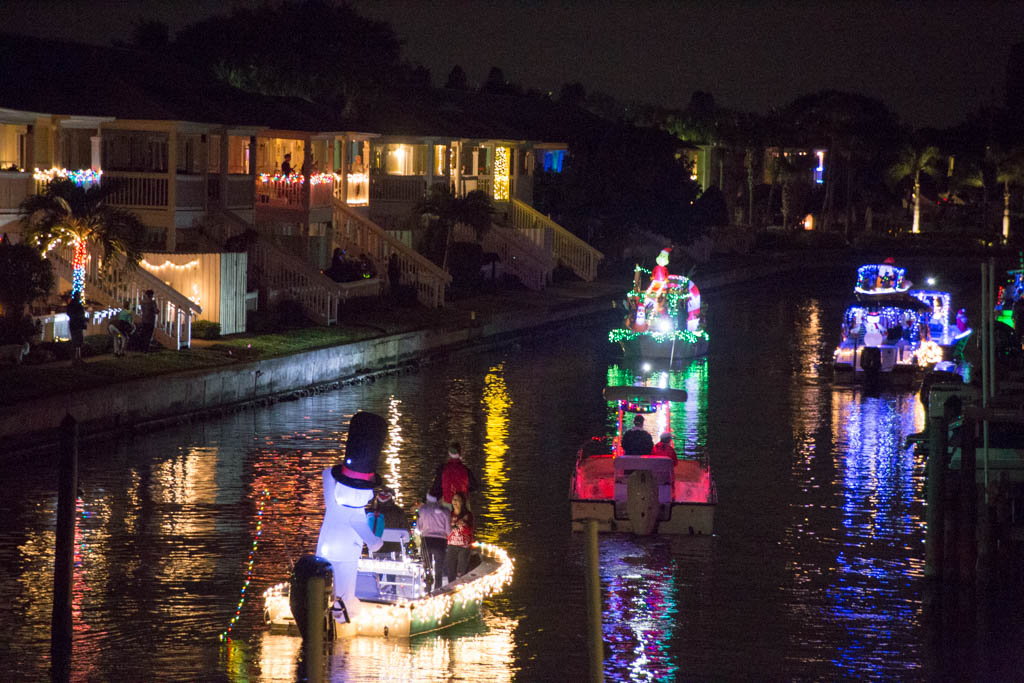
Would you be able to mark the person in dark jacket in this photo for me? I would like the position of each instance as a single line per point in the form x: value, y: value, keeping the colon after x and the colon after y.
x: 637, y: 441
x: 384, y: 513
x: 76, y: 326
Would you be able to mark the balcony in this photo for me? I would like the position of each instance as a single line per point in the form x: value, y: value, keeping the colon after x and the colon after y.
x: 286, y: 192
x: 14, y: 187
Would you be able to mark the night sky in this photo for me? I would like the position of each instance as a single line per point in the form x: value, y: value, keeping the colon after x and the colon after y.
x: 931, y: 62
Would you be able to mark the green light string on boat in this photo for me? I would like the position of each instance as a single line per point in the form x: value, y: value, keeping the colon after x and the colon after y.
x: 622, y: 334
x: 226, y: 635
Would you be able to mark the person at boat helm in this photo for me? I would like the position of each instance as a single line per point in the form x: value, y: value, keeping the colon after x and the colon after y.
x: 636, y: 440
x: 386, y: 514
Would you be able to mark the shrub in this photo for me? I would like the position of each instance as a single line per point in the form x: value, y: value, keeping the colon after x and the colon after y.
x: 205, y: 329
x: 15, y: 331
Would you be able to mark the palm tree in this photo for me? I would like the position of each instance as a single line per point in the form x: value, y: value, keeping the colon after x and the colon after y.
x: 1009, y: 171
x: 440, y: 210
x: 911, y: 162
x: 67, y: 213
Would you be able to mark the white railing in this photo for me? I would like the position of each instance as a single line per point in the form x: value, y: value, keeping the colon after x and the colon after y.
x: 14, y: 188
x: 394, y: 188
x: 174, y: 326
x: 358, y: 189
x: 519, y: 256
x: 142, y: 190
x: 190, y: 192
x: 359, y: 235
x: 282, y: 273
x: 555, y: 240
x: 289, y: 194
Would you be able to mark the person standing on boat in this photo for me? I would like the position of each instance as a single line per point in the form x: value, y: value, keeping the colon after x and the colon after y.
x: 387, y: 514
x: 460, y: 537
x: 453, y: 476
x: 348, y: 487
x: 637, y: 440
x: 434, y: 523
x: 664, y: 447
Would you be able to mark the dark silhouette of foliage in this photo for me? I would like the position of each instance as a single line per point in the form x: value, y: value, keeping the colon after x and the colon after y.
x: 25, y: 276
x: 457, y: 79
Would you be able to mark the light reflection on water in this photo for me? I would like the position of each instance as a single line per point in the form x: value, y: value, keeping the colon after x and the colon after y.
x: 814, y: 571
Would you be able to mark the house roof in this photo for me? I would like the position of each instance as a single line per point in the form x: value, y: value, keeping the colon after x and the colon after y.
x: 89, y: 80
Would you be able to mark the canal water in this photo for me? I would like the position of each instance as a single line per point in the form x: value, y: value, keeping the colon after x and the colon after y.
x: 815, y: 569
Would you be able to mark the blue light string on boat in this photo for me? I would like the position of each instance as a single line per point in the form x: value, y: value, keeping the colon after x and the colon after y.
x: 226, y: 635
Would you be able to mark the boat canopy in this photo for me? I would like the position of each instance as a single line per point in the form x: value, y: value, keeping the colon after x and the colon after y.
x: 882, y: 278
x: 644, y: 395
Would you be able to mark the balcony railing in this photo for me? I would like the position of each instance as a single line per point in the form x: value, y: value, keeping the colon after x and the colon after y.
x: 287, y: 192
x: 138, y: 190
x: 394, y: 188
x: 14, y: 187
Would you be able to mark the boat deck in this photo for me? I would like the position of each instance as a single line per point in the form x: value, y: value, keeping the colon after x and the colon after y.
x: 595, y: 480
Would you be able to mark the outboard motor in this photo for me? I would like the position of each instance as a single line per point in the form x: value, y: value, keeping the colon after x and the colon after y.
x: 642, y: 502
x: 312, y: 573
x: 871, y: 364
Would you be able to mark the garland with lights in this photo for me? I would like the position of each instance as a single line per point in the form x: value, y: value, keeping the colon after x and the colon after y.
x: 426, y: 611
x: 226, y: 635
x: 298, y: 178
x: 82, y: 178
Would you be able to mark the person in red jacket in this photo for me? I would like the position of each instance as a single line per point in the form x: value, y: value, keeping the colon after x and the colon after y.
x: 664, y: 447
x: 452, y: 476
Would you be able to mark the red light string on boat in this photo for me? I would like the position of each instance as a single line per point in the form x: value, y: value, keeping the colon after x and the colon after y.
x: 226, y: 635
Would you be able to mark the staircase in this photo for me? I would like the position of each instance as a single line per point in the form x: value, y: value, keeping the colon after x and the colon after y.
x: 559, y: 243
x: 357, y: 234
x: 174, y: 325
x: 283, y: 274
x: 519, y: 256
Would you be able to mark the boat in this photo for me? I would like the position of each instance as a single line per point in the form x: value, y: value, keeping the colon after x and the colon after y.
x: 664, y: 319
x: 1010, y: 292
x: 641, y: 494
x: 894, y: 333
x: 392, y: 596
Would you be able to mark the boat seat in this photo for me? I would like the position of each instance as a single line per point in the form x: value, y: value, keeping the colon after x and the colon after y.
x: 661, y: 468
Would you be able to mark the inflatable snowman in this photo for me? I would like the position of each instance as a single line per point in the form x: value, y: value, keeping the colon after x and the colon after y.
x: 348, y: 487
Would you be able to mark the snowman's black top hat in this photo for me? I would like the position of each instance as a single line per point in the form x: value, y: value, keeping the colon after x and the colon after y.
x: 366, y: 434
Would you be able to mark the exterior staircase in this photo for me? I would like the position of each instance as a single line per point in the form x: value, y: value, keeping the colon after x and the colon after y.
x: 174, y: 326
x: 519, y: 256
x: 283, y: 274
x: 563, y: 246
x: 356, y: 234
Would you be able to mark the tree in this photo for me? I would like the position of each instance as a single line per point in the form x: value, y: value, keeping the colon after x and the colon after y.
x: 911, y: 162
x: 441, y: 210
x: 1009, y: 171
x: 318, y: 50
x: 457, y: 79
x: 24, y: 277
x: 70, y: 214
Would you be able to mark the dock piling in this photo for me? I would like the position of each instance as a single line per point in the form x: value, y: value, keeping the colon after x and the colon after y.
x: 595, y: 632
x: 61, y: 624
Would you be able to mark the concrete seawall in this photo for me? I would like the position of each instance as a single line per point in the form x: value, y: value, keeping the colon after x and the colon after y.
x: 152, y: 402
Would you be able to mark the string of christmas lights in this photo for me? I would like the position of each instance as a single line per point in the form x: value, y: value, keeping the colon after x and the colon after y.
x: 501, y: 174
x: 78, y: 270
x: 226, y: 635
x: 298, y: 178
x: 83, y: 177
x: 167, y: 264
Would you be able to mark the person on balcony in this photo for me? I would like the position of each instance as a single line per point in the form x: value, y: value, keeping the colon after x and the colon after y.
x: 286, y: 165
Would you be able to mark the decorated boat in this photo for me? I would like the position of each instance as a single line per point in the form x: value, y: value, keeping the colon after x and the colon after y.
x: 663, y: 319
x: 893, y: 333
x: 641, y: 493
x: 392, y: 598
x: 1010, y: 294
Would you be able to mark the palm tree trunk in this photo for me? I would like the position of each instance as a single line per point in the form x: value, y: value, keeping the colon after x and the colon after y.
x: 1006, y: 211
x: 917, y: 204
x: 78, y: 270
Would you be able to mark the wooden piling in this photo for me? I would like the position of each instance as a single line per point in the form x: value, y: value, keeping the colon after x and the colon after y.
x: 938, y: 423
x: 968, y: 508
x: 595, y: 631
x: 61, y: 624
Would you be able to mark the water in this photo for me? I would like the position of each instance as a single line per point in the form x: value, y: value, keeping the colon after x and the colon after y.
x: 815, y: 570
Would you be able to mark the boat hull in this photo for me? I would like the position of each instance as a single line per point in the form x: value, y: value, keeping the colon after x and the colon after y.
x: 645, y: 346
x: 684, y: 519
